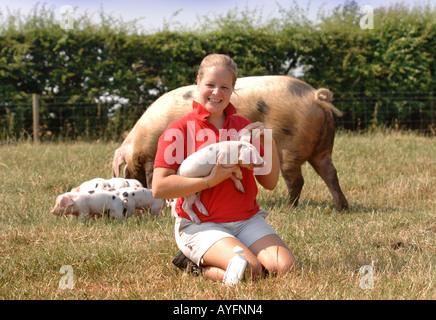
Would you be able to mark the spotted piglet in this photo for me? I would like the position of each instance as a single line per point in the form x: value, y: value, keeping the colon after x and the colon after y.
x: 118, y: 183
x: 93, y: 185
x: 139, y: 198
x: 86, y: 205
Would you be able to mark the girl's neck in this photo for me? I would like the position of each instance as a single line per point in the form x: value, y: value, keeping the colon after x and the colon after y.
x: 217, y: 120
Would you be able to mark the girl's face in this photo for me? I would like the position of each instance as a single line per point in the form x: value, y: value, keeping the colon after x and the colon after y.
x: 215, y: 89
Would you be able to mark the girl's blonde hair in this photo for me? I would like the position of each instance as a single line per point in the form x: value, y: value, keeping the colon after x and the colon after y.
x: 217, y: 60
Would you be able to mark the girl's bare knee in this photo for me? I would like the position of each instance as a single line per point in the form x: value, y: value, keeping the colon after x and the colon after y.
x: 281, y: 266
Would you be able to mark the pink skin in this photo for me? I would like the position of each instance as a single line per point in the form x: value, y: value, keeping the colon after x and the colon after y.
x: 85, y: 205
x: 215, y: 89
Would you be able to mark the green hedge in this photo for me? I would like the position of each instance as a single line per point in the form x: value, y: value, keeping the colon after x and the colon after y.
x: 380, y: 76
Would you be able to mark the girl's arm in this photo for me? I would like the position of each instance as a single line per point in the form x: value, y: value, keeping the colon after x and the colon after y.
x: 167, y: 184
x: 270, y: 180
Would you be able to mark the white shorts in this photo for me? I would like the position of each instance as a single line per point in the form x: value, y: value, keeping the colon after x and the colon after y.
x: 195, y: 239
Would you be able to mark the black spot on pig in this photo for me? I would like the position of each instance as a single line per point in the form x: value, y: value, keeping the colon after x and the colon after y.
x: 299, y: 88
x: 125, y: 194
x: 287, y: 132
x: 262, y: 107
x: 188, y: 95
x: 113, y: 197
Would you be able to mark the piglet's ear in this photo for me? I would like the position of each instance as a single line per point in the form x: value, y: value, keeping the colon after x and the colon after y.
x: 66, y: 201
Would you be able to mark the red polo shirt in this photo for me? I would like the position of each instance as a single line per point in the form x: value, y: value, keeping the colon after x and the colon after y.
x: 192, y: 132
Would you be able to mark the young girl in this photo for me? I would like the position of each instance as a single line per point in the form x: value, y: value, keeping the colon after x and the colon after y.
x: 234, y: 217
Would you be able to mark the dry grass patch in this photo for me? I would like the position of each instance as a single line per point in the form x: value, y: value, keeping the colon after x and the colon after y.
x: 389, y: 180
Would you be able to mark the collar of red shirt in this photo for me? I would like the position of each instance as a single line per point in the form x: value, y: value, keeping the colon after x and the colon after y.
x: 201, y: 113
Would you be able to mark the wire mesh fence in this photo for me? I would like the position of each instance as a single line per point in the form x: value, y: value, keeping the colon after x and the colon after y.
x: 396, y: 110
x: 109, y: 117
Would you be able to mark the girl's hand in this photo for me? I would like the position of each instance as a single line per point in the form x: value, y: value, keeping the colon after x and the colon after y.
x: 220, y: 173
x: 257, y: 130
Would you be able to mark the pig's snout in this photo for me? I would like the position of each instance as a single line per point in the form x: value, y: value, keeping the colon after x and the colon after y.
x: 55, y: 211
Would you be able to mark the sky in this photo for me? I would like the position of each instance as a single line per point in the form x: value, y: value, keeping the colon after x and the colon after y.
x: 153, y: 13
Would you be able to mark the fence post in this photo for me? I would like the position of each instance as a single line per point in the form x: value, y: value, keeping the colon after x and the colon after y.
x: 35, y: 111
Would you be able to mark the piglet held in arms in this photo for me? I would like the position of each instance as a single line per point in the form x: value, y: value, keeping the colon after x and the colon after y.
x: 201, y: 163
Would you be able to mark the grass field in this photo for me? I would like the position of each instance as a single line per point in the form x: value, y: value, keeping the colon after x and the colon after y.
x: 389, y: 180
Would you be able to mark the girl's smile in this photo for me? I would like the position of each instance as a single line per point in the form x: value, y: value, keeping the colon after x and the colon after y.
x: 215, y: 89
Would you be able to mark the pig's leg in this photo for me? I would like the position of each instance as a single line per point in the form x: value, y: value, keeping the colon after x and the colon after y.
x: 238, y: 173
x: 149, y: 173
x: 187, y: 206
x: 84, y: 214
x: 323, y: 165
x: 129, y: 210
x: 290, y: 165
x: 200, y: 205
x: 116, y: 213
x: 155, y: 208
x: 137, y: 171
x: 118, y: 161
x: 238, y: 184
x: 291, y: 172
x: 294, y: 181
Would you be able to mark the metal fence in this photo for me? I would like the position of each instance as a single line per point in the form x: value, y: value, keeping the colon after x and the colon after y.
x: 397, y: 110
x: 75, y: 117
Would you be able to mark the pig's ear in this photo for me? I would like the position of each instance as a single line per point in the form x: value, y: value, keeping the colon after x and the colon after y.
x: 66, y: 201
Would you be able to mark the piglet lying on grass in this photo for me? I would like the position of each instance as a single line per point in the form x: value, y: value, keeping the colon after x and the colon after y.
x: 85, y: 204
x: 103, y: 184
x: 93, y: 185
x: 201, y: 163
x: 118, y: 183
x: 139, y: 198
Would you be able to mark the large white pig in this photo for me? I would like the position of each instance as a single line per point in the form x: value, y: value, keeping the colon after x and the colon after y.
x: 201, y: 163
x: 301, y: 119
